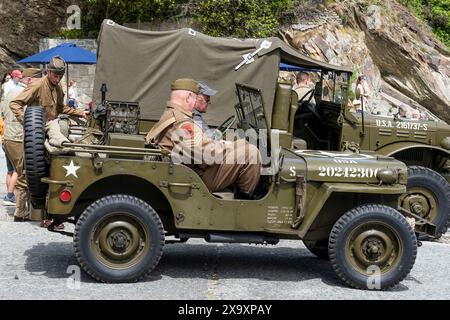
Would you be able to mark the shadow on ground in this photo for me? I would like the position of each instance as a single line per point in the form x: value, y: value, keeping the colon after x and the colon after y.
x: 211, y: 262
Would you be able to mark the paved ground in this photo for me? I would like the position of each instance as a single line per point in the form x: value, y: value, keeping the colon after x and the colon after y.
x: 37, y: 264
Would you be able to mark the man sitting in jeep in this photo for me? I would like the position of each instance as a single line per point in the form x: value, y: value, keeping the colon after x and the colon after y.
x: 219, y: 163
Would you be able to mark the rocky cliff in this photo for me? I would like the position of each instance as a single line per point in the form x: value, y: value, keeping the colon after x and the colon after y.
x: 399, y: 54
x: 23, y: 23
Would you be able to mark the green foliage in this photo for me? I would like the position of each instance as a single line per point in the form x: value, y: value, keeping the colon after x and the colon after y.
x: 71, y: 34
x: 242, y: 18
x: 436, y: 13
x: 125, y: 11
x: 236, y: 18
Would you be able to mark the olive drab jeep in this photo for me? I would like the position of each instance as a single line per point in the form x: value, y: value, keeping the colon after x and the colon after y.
x: 128, y: 199
x: 329, y: 124
x: 125, y: 199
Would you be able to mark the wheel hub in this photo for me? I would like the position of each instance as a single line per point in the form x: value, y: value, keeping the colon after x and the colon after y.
x: 119, y: 240
x: 417, y: 204
x: 372, y: 247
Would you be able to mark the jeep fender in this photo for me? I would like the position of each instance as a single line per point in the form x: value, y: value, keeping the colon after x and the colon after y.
x: 391, y: 149
x: 327, y: 189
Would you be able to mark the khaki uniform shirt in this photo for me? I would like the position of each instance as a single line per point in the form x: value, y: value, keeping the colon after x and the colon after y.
x: 42, y: 93
x: 175, y: 121
x: 13, y: 128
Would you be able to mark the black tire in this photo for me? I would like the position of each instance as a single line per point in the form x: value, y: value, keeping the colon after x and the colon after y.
x: 359, y: 244
x: 421, y: 177
x: 102, y: 239
x: 35, y: 154
x: 318, y: 248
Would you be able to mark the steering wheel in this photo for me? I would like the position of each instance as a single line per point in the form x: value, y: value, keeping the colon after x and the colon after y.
x: 222, y: 129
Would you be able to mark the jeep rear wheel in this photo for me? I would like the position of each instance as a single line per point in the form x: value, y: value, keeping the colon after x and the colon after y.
x: 372, y: 247
x: 318, y: 248
x: 428, y: 196
x: 119, y: 238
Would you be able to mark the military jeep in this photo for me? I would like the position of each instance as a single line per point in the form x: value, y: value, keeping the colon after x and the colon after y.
x: 161, y: 57
x: 126, y: 199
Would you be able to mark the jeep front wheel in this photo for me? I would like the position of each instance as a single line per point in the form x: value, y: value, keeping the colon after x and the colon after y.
x: 372, y: 247
x: 119, y: 238
x: 428, y: 196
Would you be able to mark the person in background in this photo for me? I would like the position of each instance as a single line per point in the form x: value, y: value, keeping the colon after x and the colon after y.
x: 6, y: 78
x: 72, y: 95
x: 16, y: 75
x: 13, y: 143
x: 362, y: 91
x: 304, y: 86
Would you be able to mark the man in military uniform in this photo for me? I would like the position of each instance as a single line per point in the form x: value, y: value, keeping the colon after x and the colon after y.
x: 240, y: 162
x: 14, y: 143
x: 201, y: 105
x: 47, y: 93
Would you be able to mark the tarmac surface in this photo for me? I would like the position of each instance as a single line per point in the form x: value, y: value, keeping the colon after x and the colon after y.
x: 38, y: 264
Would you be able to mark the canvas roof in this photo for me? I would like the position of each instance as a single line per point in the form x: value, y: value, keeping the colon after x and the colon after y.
x: 139, y: 66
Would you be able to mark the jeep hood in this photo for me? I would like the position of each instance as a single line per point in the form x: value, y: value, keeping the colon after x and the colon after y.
x: 329, y: 166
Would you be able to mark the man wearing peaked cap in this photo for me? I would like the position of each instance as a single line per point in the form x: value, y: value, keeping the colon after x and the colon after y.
x: 47, y: 93
x: 177, y: 132
x: 201, y: 105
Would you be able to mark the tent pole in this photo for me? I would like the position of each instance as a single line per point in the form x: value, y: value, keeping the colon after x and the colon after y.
x: 67, y: 84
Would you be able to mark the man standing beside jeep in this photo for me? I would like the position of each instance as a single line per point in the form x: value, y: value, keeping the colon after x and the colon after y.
x: 46, y: 93
x: 245, y: 168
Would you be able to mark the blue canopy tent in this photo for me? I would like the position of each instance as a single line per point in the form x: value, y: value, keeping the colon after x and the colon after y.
x: 290, y: 67
x: 70, y: 52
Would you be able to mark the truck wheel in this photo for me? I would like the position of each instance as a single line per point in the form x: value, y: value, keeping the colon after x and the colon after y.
x: 428, y: 195
x: 318, y: 248
x: 119, y: 238
x: 34, y: 154
x: 372, y: 247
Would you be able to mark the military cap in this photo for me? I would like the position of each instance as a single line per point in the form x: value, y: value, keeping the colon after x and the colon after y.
x: 32, y: 73
x: 207, y: 91
x: 57, y: 65
x: 186, y: 84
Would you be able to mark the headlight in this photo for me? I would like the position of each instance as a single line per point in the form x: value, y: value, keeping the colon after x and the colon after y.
x: 445, y: 143
x: 387, y: 176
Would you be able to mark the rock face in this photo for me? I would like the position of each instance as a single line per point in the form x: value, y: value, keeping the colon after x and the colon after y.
x: 23, y: 23
x: 398, y: 54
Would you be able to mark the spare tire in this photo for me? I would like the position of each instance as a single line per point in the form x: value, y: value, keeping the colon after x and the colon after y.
x: 35, y: 163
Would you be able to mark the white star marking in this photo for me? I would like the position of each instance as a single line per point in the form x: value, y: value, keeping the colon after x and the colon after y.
x: 71, y: 169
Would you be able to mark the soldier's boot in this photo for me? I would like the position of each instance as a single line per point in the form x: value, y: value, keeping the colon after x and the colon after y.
x: 22, y: 211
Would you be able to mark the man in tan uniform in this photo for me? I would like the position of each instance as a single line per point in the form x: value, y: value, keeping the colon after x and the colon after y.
x: 14, y: 143
x: 220, y: 163
x: 47, y: 93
